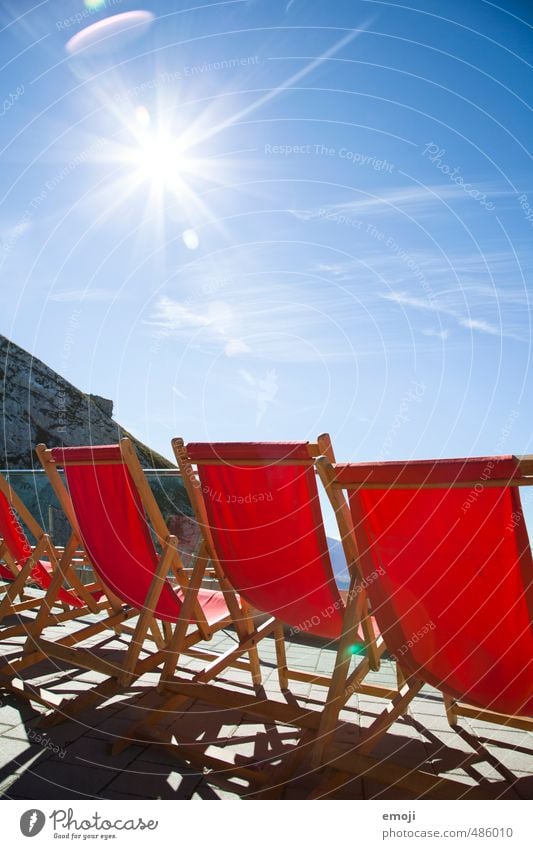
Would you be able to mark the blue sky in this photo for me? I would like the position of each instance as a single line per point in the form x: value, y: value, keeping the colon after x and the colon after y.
x: 264, y: 220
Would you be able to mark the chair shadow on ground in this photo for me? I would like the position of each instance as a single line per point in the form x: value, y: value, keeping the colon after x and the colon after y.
x: 210, y: 753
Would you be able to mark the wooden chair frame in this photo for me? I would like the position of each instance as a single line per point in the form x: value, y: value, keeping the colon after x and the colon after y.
x: 146, y: 628
x: 356, y: 612
x: 44, y: 548
x: 409, y: 686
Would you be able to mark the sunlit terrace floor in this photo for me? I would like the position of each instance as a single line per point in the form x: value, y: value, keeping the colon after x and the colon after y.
x: 73, y: 760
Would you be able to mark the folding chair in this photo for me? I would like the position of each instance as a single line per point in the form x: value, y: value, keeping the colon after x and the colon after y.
x: 258, y: 509
x: 21, y: 566
x: 112, y: 509
x: 444, y: 551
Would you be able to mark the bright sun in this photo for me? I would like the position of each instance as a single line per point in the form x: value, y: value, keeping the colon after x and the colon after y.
x: 164, y: 165
x: 160, y: 160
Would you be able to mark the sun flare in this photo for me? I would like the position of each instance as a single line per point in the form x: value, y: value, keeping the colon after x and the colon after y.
x: 160, y: 160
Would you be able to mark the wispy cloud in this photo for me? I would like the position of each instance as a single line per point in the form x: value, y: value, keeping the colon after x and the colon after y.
x: 419, y: 303
x: 413, y: 199
x: 436, y: 306
x: 235, y: 347
x: 438, y: 334
x: 282, y: 329
x: 482, y: 292
x: 178, y: 315
x: 90, y: 295
x: 215, y: 321
x: 480, y: 325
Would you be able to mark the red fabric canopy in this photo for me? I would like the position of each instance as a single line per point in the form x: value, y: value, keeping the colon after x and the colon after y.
x: 450, y: 577
x: 20, y: 549
x: 116, y: 533
x: 268, y: 531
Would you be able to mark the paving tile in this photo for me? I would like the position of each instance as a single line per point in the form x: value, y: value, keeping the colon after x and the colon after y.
x: 14, y: 711
x: 499, y: 760
x: 206, y: 791
x: 57, y: 780
x: 14, y: 753
x: 172, y: 783
x: 95, y: 753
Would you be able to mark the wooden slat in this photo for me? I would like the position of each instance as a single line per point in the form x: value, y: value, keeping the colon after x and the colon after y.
x: 524, y: 481
x: 524, y: 723
x: 236, y: 462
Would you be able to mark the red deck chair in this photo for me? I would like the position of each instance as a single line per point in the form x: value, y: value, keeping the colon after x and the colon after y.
x: 113, y: 511
x: 258, y: 507
x: 445, y: 553
x: 21, y: 565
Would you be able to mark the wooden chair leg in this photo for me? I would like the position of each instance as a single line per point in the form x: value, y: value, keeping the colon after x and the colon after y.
x: 253, y: 653
x: 167, y: 631
x: 374, y: 656
x: 451, y: 712
x: 336, y: 694
x: 281, y: 656
x: 14, y: 589
x: 174, y: 646
x: 400, y: 677
x: 146, y: 616
x: 49, y: 600
x: 156, y: 634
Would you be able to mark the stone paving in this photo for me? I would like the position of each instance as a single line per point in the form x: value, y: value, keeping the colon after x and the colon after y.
x: 73, y: 759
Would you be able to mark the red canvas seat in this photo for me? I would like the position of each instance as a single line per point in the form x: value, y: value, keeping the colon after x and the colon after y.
x: 20, y: 550
x: 444, y: 553
x: 116, y: 533
x: 258, y: 510
x: 266, y: 525
x: 212, y: 603
x: 113, y: 512
x: 455, y: 598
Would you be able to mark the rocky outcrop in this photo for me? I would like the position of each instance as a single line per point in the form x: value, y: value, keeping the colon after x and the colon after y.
x: 38, y: 405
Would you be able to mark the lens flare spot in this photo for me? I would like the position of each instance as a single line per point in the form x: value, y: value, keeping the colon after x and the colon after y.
x: 142, y: 116
x: 190, y: 239
x: 357, y: 648
x: 110, y: 33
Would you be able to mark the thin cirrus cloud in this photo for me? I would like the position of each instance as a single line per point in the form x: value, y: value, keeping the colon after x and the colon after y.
x: 214, y: 322
x: 427, y: 199
x: 437, y: 334
x: 281, y: 332
x: 435, y: 306
x: 483, y: 292
x: 479, y: 324
x: 90, y: 295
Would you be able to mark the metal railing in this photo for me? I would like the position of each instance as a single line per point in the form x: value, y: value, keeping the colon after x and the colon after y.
x: 33, y: 487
